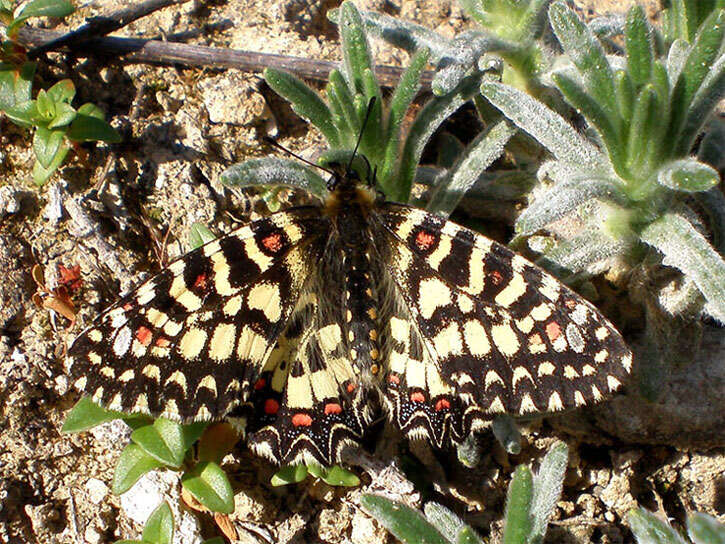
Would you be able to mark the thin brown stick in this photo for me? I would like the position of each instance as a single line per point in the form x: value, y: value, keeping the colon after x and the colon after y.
x: 96, y: 27
x: 135, y: 50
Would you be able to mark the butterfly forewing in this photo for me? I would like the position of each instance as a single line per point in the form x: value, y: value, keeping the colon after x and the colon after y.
x: 187, y: 343
x: 508, y: 336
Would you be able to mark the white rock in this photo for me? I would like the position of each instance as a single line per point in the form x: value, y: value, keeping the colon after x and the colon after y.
x: 149, y: 492
x: 97, y: 490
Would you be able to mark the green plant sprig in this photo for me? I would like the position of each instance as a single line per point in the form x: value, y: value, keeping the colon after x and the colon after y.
x: 58, y: 126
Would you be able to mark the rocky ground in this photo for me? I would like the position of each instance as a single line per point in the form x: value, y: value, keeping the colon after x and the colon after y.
x: 109, y: 210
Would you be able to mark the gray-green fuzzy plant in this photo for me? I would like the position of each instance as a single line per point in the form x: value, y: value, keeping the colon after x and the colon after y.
x: 393, y: 154
x: 509, y: 30
x: 650, y: 529
x: 529, y: 505
x: 628, y: 194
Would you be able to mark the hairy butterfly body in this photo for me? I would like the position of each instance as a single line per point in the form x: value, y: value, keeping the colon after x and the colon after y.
x: 308, y: 321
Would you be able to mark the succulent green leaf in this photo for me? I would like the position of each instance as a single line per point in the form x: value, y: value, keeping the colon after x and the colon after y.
x: 406, y: 524
x: 565, y: 197
x: 339, y: 477
x: 64, y: 115
x: 507, y: 433
x: 289, y: 475
x: 444, y: 520
x: 208, y: 484
x: 688, y: 175
x: 625, y: 93
x: 479, y: 155
x: 46, y: 143
x: 705, y: 529
x: 597, y: 116
x: 342, y: 94
x: 274, y: 171
x: 544, y: 125
x: 305, y: 102
x: 640, y: 46
x: 41, y: 173
x: 199, y: 234
x: 88, y: 128
x: 548, y: 485
x: 533, y: 20
x: 46, y: 8
x: 649, y: 529
x: 45, y: 105
x: 63, y: 91
x: 133, y: 463
x: 159, y: 528
x: 167, y: 440
x: 16, y: 84
x: 24, y: 114
x: 684, y: 248
x: 588, y: 56
x: 426, y: 122
x: 400, y: 102
x: 518, y: 524
x: 408, y: 36
x: 87, y: 414
x: 676, y: 59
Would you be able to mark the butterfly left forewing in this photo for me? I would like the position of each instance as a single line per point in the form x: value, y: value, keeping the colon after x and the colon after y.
x: 187, y: 342
x: 508, y: 336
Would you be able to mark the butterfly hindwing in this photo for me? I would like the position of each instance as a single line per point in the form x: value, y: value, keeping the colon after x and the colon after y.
x: 509, y: 337
x: 187, y: 343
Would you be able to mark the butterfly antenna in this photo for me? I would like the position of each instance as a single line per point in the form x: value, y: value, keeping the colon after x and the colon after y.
x: 273, y: 143
x: 362, y: 131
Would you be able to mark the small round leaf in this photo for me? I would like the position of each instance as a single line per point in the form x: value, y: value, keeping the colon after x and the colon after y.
x: 133, y: 463
x: 208, y: 484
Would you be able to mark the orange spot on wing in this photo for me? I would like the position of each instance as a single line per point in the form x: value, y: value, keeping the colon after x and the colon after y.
x: 162, y: 342
x: 273, y: 242
x: 143, y: 335
x: 496, y: 277
x: 261, y: 383
x: 271, y: 407
x: 394, y: 379
x: 128, y: 306
x: 301, y: 420
x: 417, y: 396
x: 351, y: 387
x: 200, y: 282
x: 553, y: 330
x: 536, y: 340
x: 424, y: 240
x: 332, y: 408
x: 442, y: 404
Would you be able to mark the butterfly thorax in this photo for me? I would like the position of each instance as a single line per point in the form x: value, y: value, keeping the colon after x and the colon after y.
x: 349, y: 206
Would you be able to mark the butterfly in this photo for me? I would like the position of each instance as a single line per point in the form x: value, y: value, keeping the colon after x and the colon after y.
x: 308, y: 323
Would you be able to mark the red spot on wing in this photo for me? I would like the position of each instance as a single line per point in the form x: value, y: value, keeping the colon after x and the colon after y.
x: 271, y: 407
x: 424, y: 240
x: 261, y: 383
x: 332, y: 408
x: 417, y: 396
x: 273, y: 242
x: 442, y: 404
x: 553, y: 330
x: 496, y: 277
x: 143, y: 335
x: 301, y: 420
x: 200, y: 282
x: 351, y: 387
x: 394, y: 379
x: 162, y: 342
x: 127, y: 306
